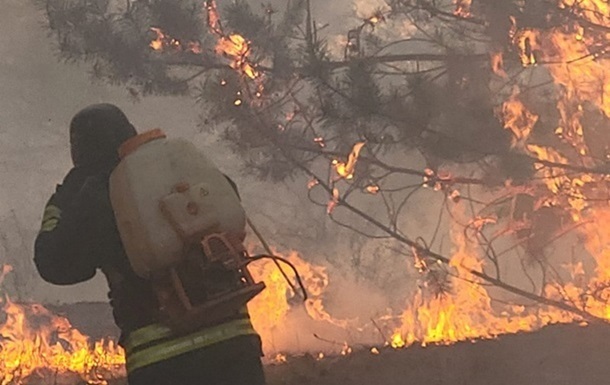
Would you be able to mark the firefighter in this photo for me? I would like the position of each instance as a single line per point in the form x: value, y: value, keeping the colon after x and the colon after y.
x: 79, y: 236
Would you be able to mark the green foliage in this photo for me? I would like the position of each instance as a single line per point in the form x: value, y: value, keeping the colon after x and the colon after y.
x: 445, y: 110
x: 116, y: 43
x: 239, y: 16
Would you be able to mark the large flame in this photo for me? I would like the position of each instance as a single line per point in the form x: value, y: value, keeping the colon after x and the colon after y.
x: 34, y: 340
x: 237, y: 48
x: 465, y: 311
x: 232, y: 46
x: 270, y: 309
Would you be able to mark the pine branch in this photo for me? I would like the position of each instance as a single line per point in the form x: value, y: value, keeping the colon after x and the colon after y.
x: 419, y: 249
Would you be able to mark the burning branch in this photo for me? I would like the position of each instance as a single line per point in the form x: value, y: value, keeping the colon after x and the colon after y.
x: 164, y: 42
x: 346, y: 170
x: 232, y: 46
x: 424, y: 251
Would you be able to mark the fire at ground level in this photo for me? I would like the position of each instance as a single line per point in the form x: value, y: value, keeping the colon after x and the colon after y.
x: 567, y: 354
x: 555, y: 355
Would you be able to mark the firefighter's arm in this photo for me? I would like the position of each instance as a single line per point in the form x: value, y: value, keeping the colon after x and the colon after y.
x: 65, y: 247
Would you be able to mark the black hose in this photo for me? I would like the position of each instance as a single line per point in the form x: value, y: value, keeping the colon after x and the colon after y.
x: 275, y: 258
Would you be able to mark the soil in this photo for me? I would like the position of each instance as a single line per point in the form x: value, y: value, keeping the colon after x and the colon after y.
x: 555, y: 355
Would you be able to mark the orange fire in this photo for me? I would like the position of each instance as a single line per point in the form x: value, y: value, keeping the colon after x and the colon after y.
x: 519, y: 120
x: 463, y: 313
x: 34, y: 340
x: 164, y: 42
x: 346, y: 169
x: 332, y: 203
x: 232, y: 46
x: 462, y: 7
x: 269, y: 309
x: 213, y: 17
x: 497, y: 64
x: 237, y: 49
x: 466, y: 312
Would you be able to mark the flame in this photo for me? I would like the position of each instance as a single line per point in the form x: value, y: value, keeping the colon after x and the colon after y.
x: 462, y: 7
x: 164, y: 42
x: 213, y: 17
x: 518, y: 119
x: 270, y: 309
x: 312, y: 183
x: 158, y: 43
x: 236, y: 48
x: 31, y: 333
x: 526, y: 40
x: 377, y: 17
x: 280, y: 358
x: 571, y: 55
x: 465, y: 312
x: 595, y: 294
x: 372, y: 189
x: 346, y: 170
x: 232, y: 46
x: 497, y: 64
x: 334, y: 202
x: 34, y: 340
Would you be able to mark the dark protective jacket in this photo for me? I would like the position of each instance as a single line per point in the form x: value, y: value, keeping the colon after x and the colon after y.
x: 78, y: 236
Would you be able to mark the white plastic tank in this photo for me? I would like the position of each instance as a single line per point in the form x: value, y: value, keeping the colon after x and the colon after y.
x: 166, y: 196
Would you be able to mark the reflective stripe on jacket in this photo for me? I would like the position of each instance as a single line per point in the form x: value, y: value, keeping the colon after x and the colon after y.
x: 155, y: 343
x: 50, y: 219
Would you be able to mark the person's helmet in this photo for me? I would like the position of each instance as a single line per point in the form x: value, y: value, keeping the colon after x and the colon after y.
x: 96, y: 132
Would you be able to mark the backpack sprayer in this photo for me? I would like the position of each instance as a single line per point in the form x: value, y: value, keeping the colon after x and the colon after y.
x: 183, y: 226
